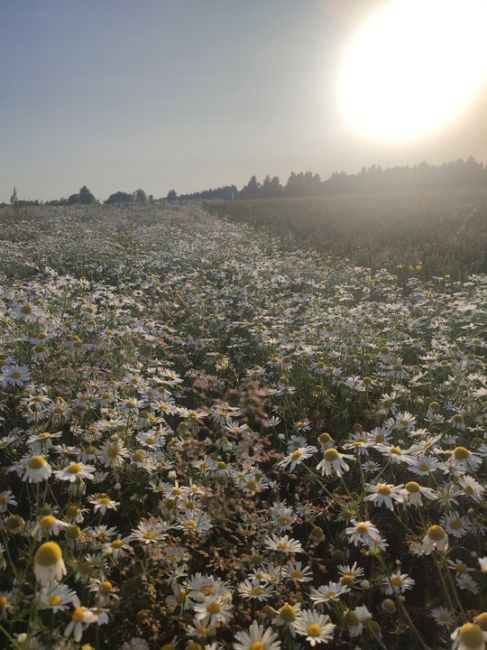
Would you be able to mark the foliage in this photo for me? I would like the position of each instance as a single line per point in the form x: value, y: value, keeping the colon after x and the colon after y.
x: 209, y: 441
x: 413, y: 233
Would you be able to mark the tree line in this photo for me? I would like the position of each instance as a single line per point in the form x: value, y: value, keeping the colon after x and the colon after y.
x: 460, y: 173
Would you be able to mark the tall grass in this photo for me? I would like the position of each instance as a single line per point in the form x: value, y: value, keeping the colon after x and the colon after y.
x: 427, y: 233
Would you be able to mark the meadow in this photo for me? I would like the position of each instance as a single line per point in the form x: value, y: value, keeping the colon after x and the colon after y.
x: 422, y: 233
x: 213, y: 437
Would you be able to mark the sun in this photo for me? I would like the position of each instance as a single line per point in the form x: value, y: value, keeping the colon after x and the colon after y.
x: 413, y: 67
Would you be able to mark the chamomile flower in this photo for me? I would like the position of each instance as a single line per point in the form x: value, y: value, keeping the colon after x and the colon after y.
x: 257, y: 638
x: 397, y: 583
x: 363, y: 532
x: 435, y: 539
x: 36, y: 469
x: 75, y: 472
x: 333, y: 463
x: 58, y: 597
x: 49, y: 564
x: 284, y: 544
x: 297, y: 456
x: 469, y: 636
x: 316, y: 627
x: 81, y: 618
x: 214, y: 611
x: 385, y: 494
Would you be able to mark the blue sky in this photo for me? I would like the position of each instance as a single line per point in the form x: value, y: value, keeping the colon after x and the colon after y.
x: 182, y: 93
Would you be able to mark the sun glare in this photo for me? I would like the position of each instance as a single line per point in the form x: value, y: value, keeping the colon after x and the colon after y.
x: 412, y: 67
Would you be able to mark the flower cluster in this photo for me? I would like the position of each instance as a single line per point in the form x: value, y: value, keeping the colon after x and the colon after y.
x: 210, y: 442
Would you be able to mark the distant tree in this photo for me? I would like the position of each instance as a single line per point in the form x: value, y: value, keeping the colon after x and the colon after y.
x: 85, y: 196
x: 118, y: 197
x: 172, y: 195
x: 140, y: 196
x: 251, y: 190
x: 14, y: 199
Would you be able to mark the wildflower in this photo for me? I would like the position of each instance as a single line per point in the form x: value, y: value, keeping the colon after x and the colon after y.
x: 57, y: 598
x: 48, y: 563
x: 316, y: 627
x: 462, y: 460
x: 194, y: 521
x: 257, y: 638
x: 456, y: 524
x: 48, y: 525
x: 435, y: 538
x: 397, y: 583
x: 327, y: 593
x: 7, y: 499
x: 213, y: 611
x: 287, y: 614
x: 81, y: 618
x: 297, y: 456
x: 75, y: 471
x: 333, y: 462
x: 349, y: 574
x: 14, y: 375
x: 255, y: 590
x: 36, y: 469
x: 414, y: 491
x: 283, y: 544
x: 149, y: 531
x: 363, y: 532
x: 469, y: 637
x: 103, y: 503
x: 385, y: 494
x: 355, y: 618
x: 298, y: 573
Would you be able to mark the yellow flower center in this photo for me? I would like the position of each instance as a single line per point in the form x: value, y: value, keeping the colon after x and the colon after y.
x: 4, y: 602
x: 395, y: 450
x: 213, y: 608
x: 117, y: 543
x: 48, y: 554
x: 461, y: 453
x: 74, y: 468
x: 482, y: 620
x: 47, y: 521
x: 413, y: 487
x: 149, y: 534
x: 296, y: 454
x: 384, y: 489
x: 436, y: 533
x: 36, y: 462
x: 78, y: 614
x: 314, y: 629
x: 257, y: 645
x: 287, y: 613
x: 54, y: 600
x: 396, y: 581
x: 106, y: 586
x: 471, y: 636
x: 331, y: 455
x: 362, y: 528
x: 191, y: 523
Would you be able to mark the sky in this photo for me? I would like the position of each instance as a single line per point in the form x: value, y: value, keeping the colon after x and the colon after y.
x: 186, y: 94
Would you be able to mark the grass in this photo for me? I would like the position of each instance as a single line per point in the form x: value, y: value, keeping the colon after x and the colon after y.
x: 421, y: 233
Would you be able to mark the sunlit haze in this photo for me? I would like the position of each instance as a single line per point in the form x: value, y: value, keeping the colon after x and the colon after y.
x: 413, y: 67
x: 185, y: 94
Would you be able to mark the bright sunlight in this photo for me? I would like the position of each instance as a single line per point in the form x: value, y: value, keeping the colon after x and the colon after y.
x: 413, y: 67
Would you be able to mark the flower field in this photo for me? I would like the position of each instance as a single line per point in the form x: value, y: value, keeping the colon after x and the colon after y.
x: 210, y: 441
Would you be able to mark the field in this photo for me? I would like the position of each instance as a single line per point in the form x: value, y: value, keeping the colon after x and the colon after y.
x: 213, y: 437
x: 418, y: 234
